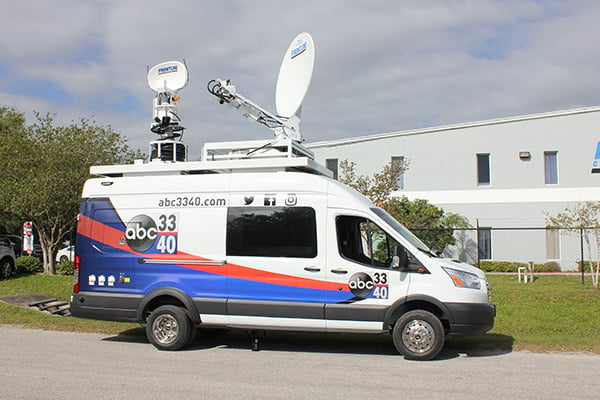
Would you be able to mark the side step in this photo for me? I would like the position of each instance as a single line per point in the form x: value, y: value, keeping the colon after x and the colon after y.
x: 52, y: 306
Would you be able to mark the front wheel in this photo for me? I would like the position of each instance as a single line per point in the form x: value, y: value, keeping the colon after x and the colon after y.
x: 419, y: 335
x: 169, y: 328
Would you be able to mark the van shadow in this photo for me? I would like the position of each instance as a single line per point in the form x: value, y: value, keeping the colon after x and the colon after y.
x: 477, y: 346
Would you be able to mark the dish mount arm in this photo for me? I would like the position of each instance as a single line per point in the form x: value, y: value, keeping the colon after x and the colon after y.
x: 282, y: 127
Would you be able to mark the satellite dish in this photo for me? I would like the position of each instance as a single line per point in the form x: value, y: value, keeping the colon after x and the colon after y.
x: 168, y: 76
x: 295, y: 75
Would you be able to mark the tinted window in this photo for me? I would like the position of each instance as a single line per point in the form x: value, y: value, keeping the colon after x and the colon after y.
x: 550, y: 167
x: 272, y: 232
x: 484, y: 237
x: 483, y: 169
x: 332, y: 165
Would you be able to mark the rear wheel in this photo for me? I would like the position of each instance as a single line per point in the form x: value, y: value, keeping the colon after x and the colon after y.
x: 419, y: 335
x: 169, y: 328
x: 6, y: 268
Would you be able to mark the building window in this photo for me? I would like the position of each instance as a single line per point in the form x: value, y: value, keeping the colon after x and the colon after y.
x: 550, y: 167
x: 332, y: 165
x: 484, y: 239
x: 483, y: 169
x: 400, y: 160
x: 552, y: 244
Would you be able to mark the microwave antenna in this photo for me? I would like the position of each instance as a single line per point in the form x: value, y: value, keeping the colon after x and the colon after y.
x: 166, y: 79
x: 295, y: 75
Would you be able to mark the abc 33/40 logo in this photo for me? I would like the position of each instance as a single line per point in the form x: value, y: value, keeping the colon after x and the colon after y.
x: 142, y: 232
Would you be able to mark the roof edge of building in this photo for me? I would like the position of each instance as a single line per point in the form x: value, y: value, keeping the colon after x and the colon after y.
x: 441, y: 128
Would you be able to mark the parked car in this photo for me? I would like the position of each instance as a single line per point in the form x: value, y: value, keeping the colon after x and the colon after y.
x: 65, y: 254
x: 16, y: 242
x: 7, y: 259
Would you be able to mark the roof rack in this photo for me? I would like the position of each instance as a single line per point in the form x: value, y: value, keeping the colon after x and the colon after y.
x: 277, y: 148
x: 220, y: 163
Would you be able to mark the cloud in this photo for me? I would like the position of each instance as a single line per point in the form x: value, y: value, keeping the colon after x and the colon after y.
x: 380, y: 66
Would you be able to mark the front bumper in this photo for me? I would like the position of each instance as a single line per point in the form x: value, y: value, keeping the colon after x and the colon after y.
x: 471, y: 319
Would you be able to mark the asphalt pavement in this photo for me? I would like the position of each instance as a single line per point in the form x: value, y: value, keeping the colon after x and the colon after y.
x: 37, y: 364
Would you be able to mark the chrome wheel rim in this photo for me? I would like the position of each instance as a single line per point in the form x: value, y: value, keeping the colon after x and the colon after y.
x: 165, y: 329
x: 418, y: 336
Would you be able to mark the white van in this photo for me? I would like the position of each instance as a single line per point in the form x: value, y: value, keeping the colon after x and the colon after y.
x: 262, y: 244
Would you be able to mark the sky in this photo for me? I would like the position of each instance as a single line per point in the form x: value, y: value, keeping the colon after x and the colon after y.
x: 380, y: 65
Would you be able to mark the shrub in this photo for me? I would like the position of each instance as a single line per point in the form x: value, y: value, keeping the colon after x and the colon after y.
x: 28, y: 264
x: 500, y: 266
x: 586, y: 265
x: 65, y: 268
x: 549, y: 266
x: 508, y: 266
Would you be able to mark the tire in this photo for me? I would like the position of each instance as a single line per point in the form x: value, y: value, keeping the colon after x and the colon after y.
x: 169, y: 328
x: 419, y: 335
x: 6, y: 268
x: 63, y: 259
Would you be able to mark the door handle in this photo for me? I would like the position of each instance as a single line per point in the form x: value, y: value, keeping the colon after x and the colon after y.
x: 339, y: 271
x: 312, y: 269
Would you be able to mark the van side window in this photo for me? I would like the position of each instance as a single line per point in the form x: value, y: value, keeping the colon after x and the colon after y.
x: 272, y: 232
x: 361, y: 240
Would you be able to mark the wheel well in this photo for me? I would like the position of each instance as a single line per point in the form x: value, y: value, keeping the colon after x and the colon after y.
x: 9, y: 259
x: 419, y: 305
x: 161, y: 301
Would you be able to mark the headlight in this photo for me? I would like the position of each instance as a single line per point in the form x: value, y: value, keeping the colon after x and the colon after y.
x: 463, y: 279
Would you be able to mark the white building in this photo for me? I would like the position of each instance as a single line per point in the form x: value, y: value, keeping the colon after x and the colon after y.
x: 502, y: 173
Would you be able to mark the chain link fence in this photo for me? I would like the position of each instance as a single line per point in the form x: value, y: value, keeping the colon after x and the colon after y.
x: 564, y: 246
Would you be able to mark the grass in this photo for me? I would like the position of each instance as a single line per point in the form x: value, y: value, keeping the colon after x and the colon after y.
x: 554, y: 313
x: 54, y: 286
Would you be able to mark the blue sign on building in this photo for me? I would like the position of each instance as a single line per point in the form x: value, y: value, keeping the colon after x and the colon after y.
x: 596, y: 164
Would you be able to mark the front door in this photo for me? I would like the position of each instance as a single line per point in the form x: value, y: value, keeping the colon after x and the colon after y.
x: 361, y: 266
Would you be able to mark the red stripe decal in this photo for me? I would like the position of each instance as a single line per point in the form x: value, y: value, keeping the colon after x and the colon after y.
x: 111, y: 237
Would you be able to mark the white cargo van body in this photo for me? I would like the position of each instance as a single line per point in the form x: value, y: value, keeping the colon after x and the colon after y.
x: 279, y: 249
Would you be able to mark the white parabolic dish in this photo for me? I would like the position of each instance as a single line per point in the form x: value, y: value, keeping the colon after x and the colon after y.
x: 169, y: 75
x: 295, y: 75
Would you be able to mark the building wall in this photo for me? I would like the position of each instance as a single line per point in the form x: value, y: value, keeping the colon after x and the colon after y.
x: 443, y: 169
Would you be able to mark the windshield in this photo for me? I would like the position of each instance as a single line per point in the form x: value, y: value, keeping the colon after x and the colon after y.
x: 401, y: 229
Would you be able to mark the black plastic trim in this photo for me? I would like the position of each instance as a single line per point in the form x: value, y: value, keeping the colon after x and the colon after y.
x: 471, y: 318
x: 106, y: 306
x: 355, y: 312
x: 281, y: 309
x: 169, y: 292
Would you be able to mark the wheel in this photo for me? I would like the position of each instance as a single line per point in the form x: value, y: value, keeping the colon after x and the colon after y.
x: 419, y: 335
x: 6, y: 268
x: 63, y: 259
x: 169, y: 328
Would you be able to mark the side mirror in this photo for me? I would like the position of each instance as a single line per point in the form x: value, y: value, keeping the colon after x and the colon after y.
x: 400, y: 260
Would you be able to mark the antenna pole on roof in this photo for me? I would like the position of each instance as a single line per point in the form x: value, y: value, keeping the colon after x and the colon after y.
x: 165, y: 79
x: 294, y: 79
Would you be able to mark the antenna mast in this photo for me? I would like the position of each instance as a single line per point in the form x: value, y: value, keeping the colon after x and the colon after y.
x: 165, y: 79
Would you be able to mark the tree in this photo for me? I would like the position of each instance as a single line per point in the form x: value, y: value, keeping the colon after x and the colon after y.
x: 380, y: 186
x: 44, y: 168
x: 430, y: 223
x: 582, y: 218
